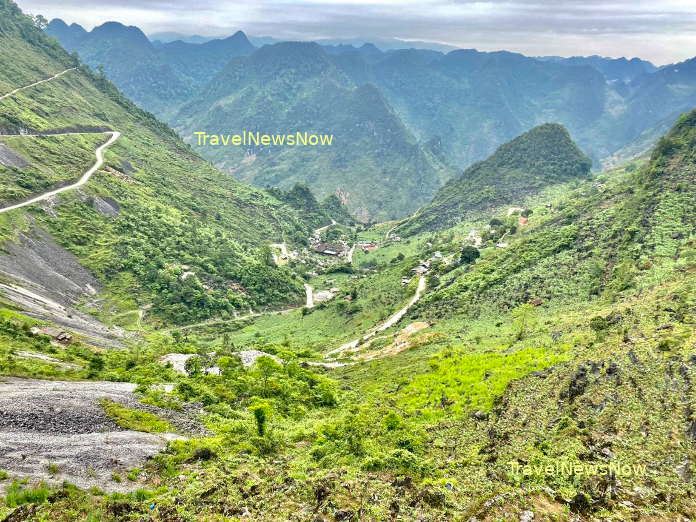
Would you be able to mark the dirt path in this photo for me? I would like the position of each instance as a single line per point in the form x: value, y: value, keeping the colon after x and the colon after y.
x: 319, y: 230
x: 12, y: 93
x: 350, y: 254
x: 386, y: 236
x: 62, y: 424
x: 309, y: 292
x: 391, y: 321
x: 84, y: 179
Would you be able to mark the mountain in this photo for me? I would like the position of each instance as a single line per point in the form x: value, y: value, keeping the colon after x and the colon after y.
x: 541, y: 157
x: 374, y: 162
x: 156, y: 225
x: 69, y: 36
x: 476, y: 101
x: 131, y: 61
x: 157, y: 77
x: 468, y: 102
x: 382, y: 44
x: 201, y: 62
x: 613, y: 69
x: 316, y: 213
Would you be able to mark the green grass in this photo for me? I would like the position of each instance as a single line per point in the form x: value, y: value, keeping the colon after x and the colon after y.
x: 53, y: 160
x: 19, y: 493
x: 137, y: 420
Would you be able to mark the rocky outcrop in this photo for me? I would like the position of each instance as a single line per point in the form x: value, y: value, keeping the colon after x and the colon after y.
x: 10, y: 158
x: 47, y: 282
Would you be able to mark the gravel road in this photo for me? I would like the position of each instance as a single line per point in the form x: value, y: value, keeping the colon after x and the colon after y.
x: 61, y: 423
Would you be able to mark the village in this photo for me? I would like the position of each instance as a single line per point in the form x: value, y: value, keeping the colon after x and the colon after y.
x: 331, y: 249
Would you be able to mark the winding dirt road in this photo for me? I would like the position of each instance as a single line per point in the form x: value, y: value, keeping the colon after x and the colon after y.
x: 12, y: 93
x: 86, y: 176
x: 309, y: 291
x: 391, y: 321
x: 84, y: 179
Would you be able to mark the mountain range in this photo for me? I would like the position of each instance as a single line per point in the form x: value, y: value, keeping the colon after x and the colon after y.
x: 440, y: 109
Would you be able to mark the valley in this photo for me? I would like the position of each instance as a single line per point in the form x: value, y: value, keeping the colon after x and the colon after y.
x: 388, y: 330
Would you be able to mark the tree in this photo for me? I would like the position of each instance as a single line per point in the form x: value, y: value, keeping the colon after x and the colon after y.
x: 194, y: 365
x: 469, y: 255
x: 262, y: 411
x: 524, y: 320
x: 40, y: 21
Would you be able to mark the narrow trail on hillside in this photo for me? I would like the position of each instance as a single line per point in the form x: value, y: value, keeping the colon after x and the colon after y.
x: 99, y: 153
x: 391, y: 321
x: 319, y: 230
x: 84, y: 179
x: 19, y: 89
x: 349, y: 256
x: 389, y: 232
x: 309, y: 291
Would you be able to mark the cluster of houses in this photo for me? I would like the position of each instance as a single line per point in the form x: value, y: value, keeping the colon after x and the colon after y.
x: 423, y: 267
x: 331, y: 249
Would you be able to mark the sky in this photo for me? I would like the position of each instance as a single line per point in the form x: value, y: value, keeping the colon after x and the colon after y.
x: 663, y: 31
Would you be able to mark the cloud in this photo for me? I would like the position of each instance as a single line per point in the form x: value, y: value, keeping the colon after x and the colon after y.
x: 662, y: 31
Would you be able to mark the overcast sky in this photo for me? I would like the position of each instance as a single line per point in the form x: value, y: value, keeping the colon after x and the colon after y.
x: 663, y: 31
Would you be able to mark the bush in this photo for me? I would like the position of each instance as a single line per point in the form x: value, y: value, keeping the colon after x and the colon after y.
x: 469, y: 255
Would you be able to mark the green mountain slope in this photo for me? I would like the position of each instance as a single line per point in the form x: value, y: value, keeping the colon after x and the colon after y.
x: 544, y: 156
x: 374, y: 161
x: 180, y: 236
x: 301, y: 198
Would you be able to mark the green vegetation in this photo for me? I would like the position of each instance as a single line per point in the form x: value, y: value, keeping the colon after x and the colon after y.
x: 566, y: 340
x: 49, y: 161
x: 544, y: 156
x: 18, y: 493
x: 137, y: 420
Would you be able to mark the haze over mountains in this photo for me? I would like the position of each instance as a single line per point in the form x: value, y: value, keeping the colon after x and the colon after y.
x: 437, y: 109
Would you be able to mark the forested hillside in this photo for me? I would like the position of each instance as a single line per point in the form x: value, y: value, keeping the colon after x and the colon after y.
x: 295, y: 87
x: 175, y: 234
x: 543, y: 157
